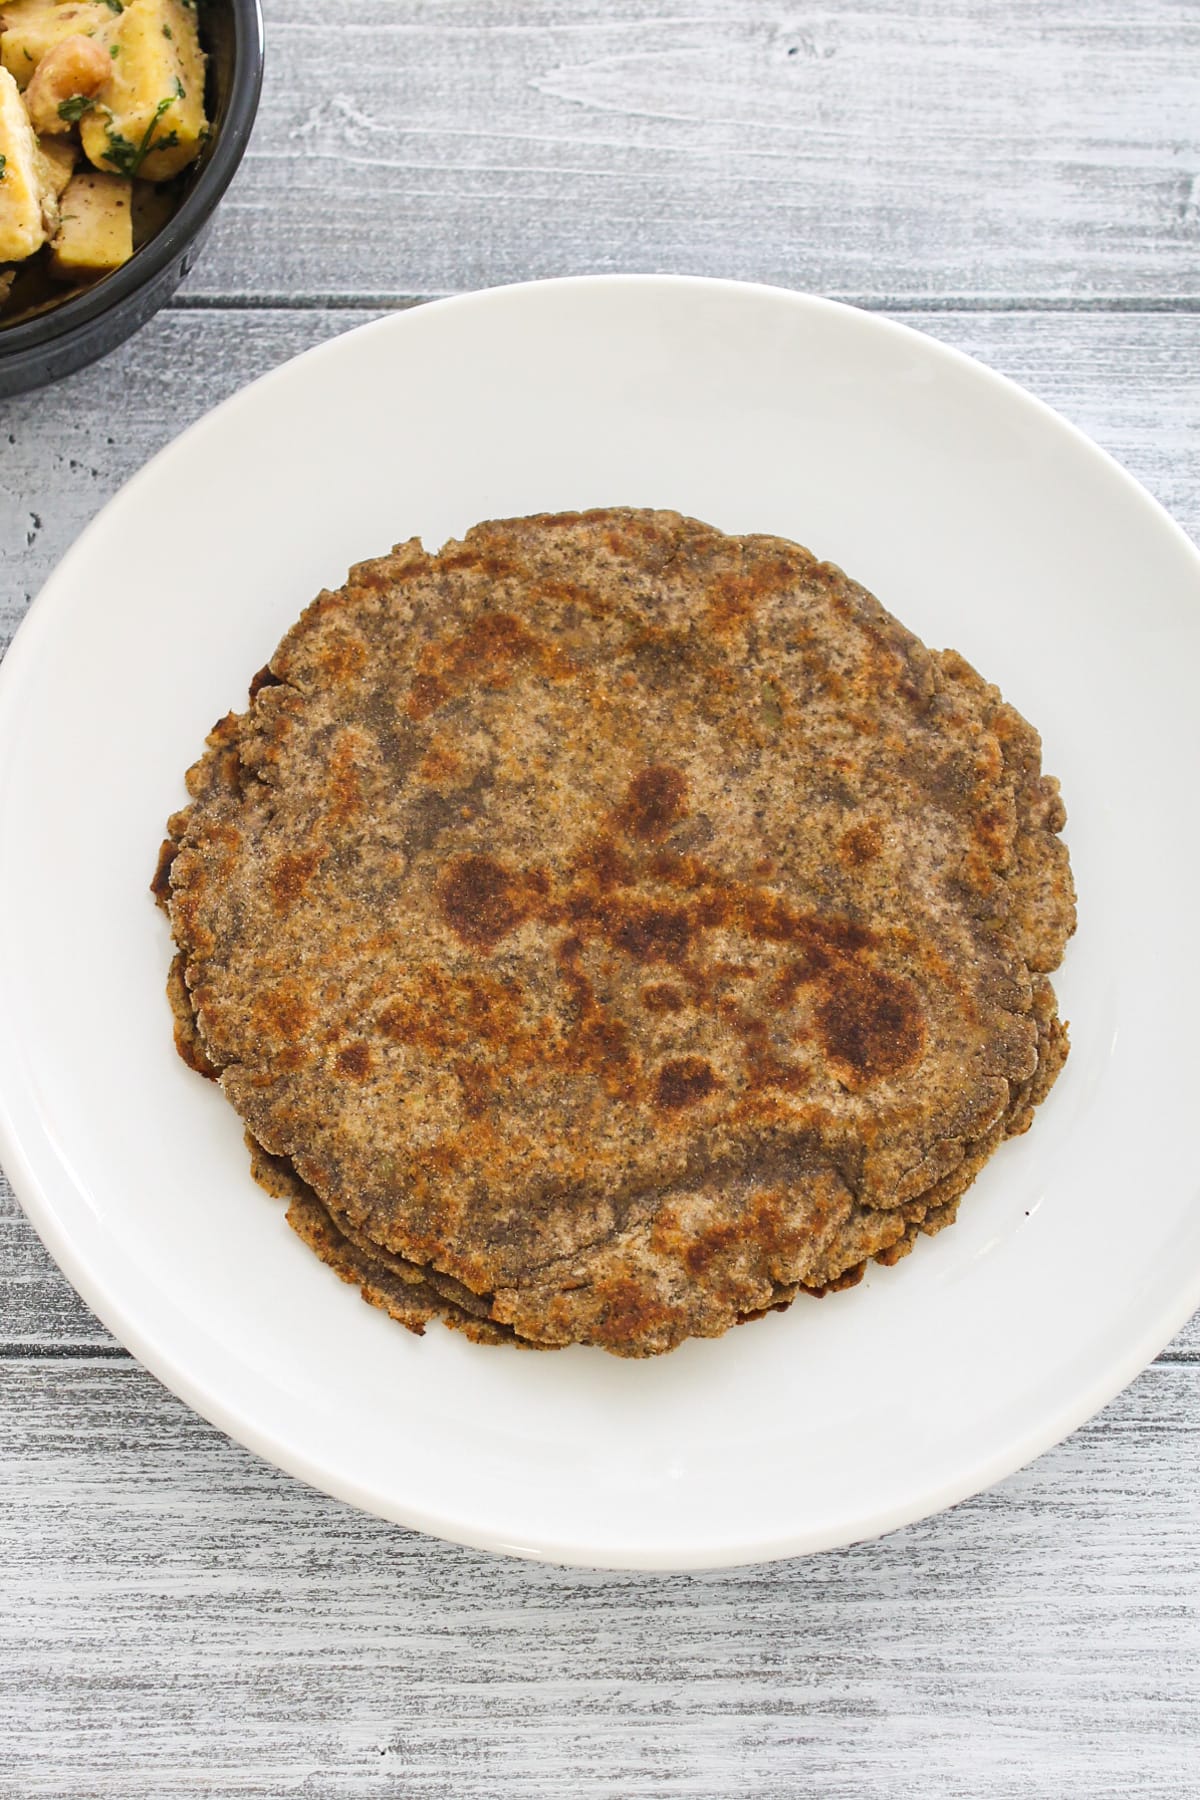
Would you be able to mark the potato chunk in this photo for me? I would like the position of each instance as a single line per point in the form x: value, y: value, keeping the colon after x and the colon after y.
x: 22, y: 230
x: 153, y: 205
x: 149, y: 118
x: 33, y: 27
x: 59, y: 156
x: 72, y: 71
x: 95, y: 233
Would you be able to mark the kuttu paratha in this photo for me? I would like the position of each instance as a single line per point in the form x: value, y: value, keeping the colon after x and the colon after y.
x: 608, y: 928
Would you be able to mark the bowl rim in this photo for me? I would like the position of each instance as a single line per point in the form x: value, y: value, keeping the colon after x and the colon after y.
x: 149, y: 262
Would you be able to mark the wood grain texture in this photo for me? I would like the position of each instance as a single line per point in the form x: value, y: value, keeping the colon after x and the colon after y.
x: 177, y: 1618
x: 215, y: 1628
x: 889, y: 148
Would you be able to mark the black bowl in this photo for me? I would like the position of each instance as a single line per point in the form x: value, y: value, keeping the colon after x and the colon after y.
x: 89, y: 325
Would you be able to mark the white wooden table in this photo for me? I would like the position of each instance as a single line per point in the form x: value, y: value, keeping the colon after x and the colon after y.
x: 176, y: 1618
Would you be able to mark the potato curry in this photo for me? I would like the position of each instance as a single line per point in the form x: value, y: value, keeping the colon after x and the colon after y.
x: 101, y: 109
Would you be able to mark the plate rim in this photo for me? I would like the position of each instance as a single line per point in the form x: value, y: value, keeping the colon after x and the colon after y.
x: 1018, y: 1448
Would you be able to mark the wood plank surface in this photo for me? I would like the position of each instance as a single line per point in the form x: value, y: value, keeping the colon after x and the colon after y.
x: 214, y: 1627
x: 177, y: 1618
x: 894, y: 148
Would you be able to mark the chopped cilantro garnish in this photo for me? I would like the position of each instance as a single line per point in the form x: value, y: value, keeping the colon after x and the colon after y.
x: 127, y: 157
x: 3, y: 166
x: 180, y: 90
x: 72, y: 110
x: 114, y: 49
x: 117, y: 6
x: 168, y: 33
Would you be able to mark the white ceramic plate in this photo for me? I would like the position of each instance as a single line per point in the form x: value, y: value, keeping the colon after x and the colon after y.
x: 977, y: 516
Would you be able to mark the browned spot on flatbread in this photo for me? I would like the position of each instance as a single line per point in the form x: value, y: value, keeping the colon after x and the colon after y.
x: 763, y: 1221
x: 736, y: 596
x: 290, y: 876
x: 345, y: 781
x: 342, y: 659
x: 655, y: 802
x: 661, y: 997
x: 870, y: 1023
x: 426, y: 694
x: 485, y: 655
x: 599, y: 863
x: 861, y: 844
x: 650, y: 933
x: 355, y: 1059
x: 280, y: 1021
x: 684, y: 1082
x: 476, y: 1085
x: 441, y: 763
x: 480, y: 900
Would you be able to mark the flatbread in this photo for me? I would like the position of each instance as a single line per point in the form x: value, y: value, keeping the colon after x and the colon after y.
x: 622, y: 923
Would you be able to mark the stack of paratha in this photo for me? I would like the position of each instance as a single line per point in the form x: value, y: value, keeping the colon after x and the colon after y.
x: 608, y: 929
